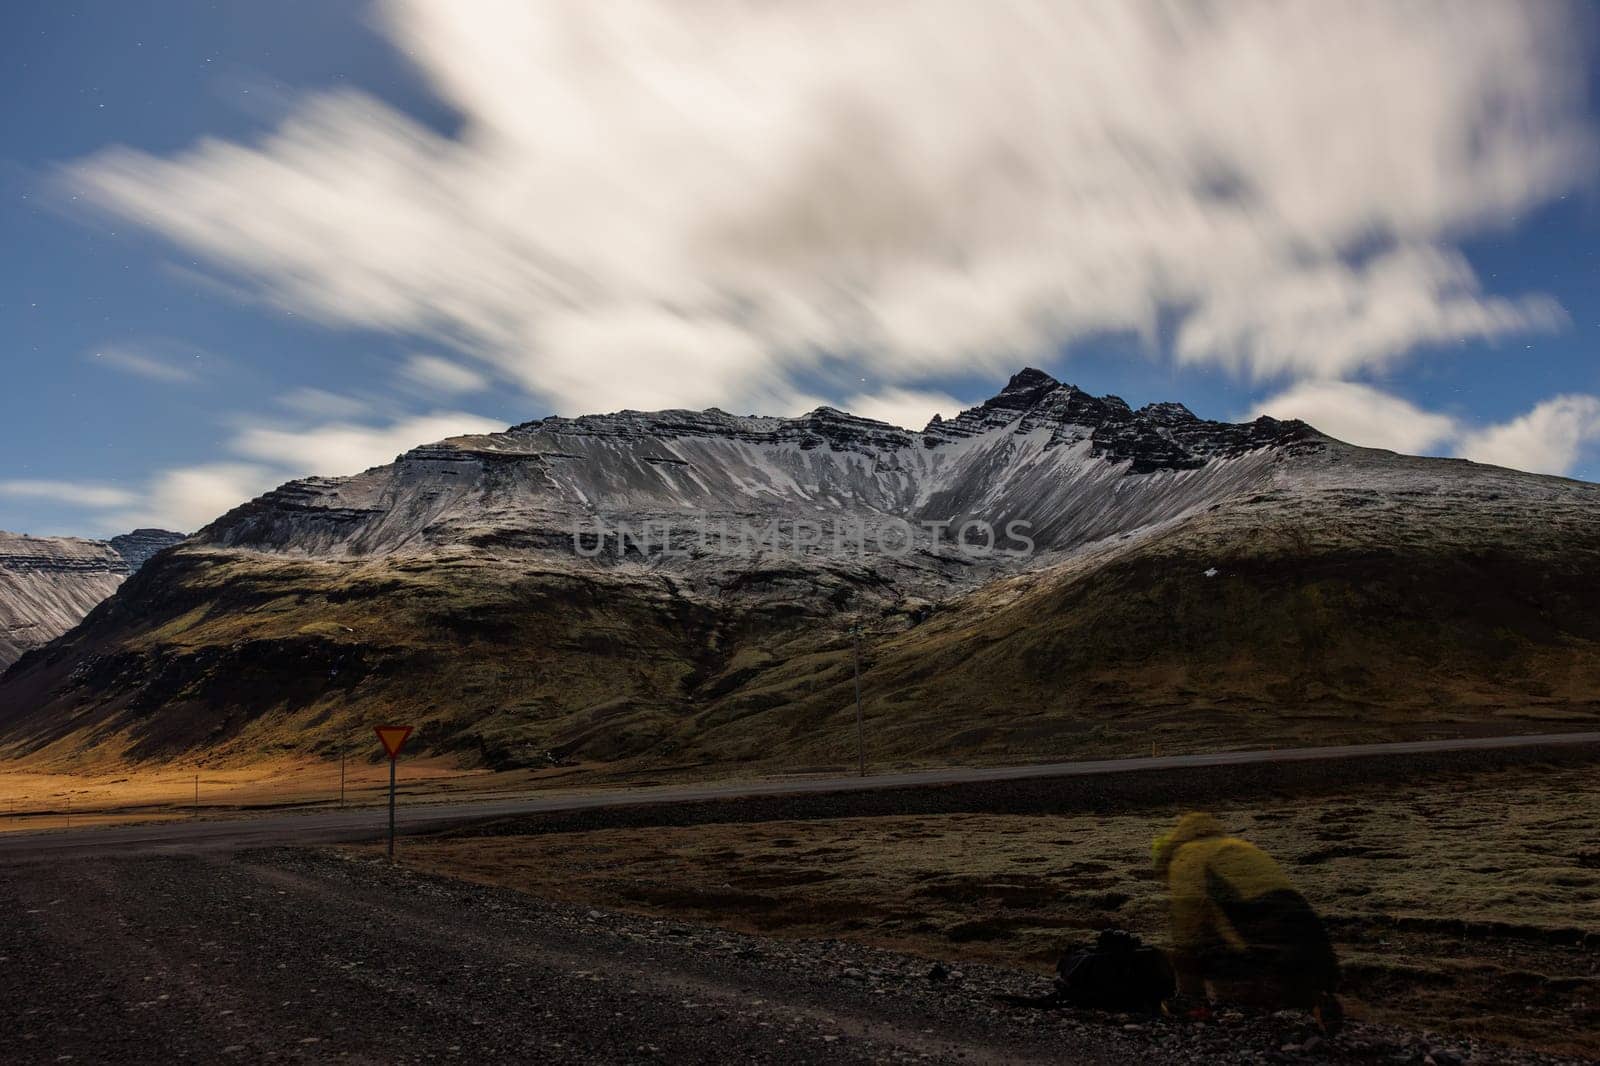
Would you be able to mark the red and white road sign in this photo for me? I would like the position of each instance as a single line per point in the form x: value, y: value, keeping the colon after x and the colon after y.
x: 393, y: 738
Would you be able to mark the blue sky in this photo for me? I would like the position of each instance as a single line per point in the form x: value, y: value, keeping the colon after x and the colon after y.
x: 250, y: 242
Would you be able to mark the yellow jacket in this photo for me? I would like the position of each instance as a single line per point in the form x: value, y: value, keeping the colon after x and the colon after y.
x: 1209, y: 874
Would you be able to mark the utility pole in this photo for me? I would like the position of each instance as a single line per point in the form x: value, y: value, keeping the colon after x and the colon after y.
x: 861, y: 746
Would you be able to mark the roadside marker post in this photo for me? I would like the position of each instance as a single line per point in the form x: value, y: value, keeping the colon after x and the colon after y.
x: 393, y: 738
x: 861, y: 743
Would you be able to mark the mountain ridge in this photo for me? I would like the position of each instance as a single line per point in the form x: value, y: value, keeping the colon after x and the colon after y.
x: 1192, y: 583
x: 652, y: 461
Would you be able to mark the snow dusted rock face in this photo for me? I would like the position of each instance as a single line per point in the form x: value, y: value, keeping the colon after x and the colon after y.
x: 1048, y: 574
x: 47, y: 584
x: 1035, y: 472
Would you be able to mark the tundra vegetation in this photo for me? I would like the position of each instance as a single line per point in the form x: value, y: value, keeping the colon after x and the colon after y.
x: 1465, y: 904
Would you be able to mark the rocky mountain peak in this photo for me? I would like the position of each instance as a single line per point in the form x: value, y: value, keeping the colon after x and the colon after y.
x: 822, y: 425
x: 1166, y: 414
x: 138, y: 546
x: 1026, y: 387
x: 843, y: 430
x: 1155, y: 437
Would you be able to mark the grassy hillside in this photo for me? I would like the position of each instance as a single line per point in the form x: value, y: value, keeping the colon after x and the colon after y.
x: 1323, y: 619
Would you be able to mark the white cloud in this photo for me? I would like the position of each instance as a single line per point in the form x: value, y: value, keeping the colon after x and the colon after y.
x: 189, y: 497
x: 74, y: 493
x: 1548, y: 439
x: 320, y: 403
x: 442, y: 375
x: 1360, y: 414
x: 349, y: 448
x: 144, y: 365
x: 907, y: 408
x: 674, y: 204
x: 186, y: 498
x: 1336, y: 319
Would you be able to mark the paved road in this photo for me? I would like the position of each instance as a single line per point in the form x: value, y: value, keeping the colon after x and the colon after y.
x: 325, y: 826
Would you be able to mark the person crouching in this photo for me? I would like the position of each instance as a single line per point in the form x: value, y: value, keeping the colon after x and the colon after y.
x: 1241, y: 932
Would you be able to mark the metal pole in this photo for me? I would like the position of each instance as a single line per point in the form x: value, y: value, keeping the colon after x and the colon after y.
x: 197, y: 795
x: 391, y: 808
x: 341, y: 779
x: 861, y: 746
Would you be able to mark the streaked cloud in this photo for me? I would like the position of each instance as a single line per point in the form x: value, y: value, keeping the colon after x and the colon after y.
x: 175, y: 370
x: 437, y: 375
x: 1549, y: 439
x: 680, y: 204
x: 907, y: 408
x: 1361, y: 414
x: 73, y: 493
x: 1337, y: 319
x: 349, y: 448
x: 187, y: 498
x: 264, y: 456
x: 320, y: 403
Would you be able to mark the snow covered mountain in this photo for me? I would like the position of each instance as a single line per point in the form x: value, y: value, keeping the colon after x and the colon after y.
x: 1047, y: 573
x: 1059, y: 466
x: 47, y: 584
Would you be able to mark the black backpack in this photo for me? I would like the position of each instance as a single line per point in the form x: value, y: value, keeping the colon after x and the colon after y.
x: 1120, y: 973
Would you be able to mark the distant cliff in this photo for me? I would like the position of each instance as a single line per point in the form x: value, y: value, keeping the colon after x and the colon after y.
x: 47, y: 584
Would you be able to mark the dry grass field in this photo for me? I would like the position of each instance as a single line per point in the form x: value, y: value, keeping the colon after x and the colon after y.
x: 38, y: 794
x: 34, y: 796
x: 1469, y: 905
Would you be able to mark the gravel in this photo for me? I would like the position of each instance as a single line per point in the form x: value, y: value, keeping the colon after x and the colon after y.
x: 317, y: 956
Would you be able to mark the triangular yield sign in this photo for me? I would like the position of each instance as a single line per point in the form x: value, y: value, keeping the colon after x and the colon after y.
x: 392, y: 737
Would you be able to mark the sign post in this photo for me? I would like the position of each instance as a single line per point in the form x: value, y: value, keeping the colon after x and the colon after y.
x: 393, y: 738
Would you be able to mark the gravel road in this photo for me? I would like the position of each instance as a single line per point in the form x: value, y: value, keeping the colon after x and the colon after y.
x: 316, y: 956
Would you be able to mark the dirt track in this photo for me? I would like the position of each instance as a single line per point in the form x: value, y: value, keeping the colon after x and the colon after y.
x: 313, y: 957
x: 164, y: 944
